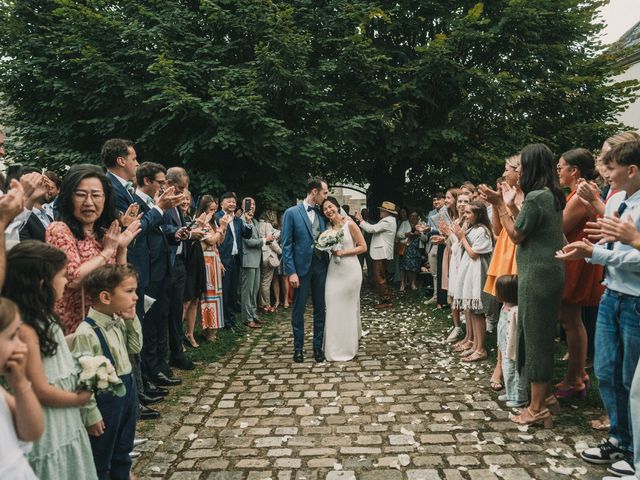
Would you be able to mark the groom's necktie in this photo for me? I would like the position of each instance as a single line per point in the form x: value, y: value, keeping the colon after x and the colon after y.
x: 313, y: 209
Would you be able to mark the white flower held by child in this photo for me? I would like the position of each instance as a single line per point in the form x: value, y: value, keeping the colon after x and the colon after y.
x: 99, y: 376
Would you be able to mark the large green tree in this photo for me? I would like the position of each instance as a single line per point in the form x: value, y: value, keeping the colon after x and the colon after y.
x: 254, y: 95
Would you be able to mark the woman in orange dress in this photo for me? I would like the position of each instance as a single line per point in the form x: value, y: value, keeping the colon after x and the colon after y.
x: 503, y: 261
x: 582, y: 286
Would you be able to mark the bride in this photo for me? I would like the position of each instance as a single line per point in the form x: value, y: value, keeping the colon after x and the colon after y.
x: 342, y: 289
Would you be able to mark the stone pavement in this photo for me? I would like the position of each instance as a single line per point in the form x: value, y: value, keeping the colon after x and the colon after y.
x: 405, y: 408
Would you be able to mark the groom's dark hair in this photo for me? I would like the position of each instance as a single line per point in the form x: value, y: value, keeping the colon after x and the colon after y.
x: 314, y: 182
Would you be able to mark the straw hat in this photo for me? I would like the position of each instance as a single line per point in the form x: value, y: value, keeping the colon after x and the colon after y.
x: 388, y: 207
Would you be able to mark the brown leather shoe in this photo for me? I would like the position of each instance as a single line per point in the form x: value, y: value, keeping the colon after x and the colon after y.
x: 253, y: 325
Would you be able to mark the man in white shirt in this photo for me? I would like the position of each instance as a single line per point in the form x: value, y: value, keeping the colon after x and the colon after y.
x: 381, y: 251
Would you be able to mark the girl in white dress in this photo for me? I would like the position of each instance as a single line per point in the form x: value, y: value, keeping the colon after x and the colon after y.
x: 477, y: 244
x: 342, y: 289
x: 21, y: 418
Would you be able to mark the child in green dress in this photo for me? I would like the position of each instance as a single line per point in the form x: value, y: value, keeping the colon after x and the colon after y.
x: 35, y: 280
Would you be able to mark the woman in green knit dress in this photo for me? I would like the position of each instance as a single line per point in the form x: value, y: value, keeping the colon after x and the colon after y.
x: 537, y: 231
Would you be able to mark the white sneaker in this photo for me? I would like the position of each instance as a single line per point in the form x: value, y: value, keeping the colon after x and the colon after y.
x: 138, y: 441
x: 623, y: 468
x: 432, y: 300
x: 454, y: 335
x: 134, y: 454
x: 607, y: 452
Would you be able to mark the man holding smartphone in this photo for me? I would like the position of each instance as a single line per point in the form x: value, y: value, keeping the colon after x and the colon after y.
x: 251, y: 259
x: 231, y: 250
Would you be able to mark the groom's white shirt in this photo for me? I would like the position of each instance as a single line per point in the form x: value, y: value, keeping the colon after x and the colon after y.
x: 383, y: 237
x: 310, y: 213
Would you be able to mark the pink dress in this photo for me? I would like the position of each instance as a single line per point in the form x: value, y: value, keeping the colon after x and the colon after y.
x: 69, y: 307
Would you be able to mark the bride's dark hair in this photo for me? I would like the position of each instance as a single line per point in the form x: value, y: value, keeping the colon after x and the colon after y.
x: 330, y: 200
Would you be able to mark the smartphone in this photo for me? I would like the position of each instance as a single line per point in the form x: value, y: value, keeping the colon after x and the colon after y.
x: 246, y: 206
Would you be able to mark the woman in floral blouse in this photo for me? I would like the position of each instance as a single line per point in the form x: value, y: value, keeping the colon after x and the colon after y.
x: 90, y: 235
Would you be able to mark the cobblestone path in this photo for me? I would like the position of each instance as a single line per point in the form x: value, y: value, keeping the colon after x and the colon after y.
x: 405, y: 408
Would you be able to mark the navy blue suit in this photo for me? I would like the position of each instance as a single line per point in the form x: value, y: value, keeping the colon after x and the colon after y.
x: 173, y: 222
x: 299, y: 257
x: 138, y: 251
x: 33, y: 229
x: 155, y: 323
x: 232, y: 266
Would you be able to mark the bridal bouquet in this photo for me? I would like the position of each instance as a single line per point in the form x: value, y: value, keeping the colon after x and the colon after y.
x: 330, y: 240
x: 99, y: 376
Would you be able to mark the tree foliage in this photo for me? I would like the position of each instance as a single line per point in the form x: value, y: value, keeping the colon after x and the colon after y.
x: 254, y: 95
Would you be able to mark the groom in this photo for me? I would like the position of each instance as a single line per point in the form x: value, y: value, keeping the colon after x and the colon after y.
x: 306, y: 266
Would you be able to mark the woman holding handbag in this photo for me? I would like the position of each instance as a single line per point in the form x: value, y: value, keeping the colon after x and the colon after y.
x: 270, y: 260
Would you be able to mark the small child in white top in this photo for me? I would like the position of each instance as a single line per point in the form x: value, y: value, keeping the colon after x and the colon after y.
x: 21, y: 417
x: 516, y: 385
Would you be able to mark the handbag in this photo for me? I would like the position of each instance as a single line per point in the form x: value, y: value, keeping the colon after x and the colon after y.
x: 270, y: 259
x: 402, y: 248
x: 273, y: 261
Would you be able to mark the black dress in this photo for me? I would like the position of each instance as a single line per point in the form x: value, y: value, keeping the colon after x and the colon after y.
x: 196, y: 276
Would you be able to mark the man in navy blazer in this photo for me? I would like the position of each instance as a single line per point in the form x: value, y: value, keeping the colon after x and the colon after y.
x: 177, y: 231
x: 231, y: 256
x: 306, y: 266
x: 151, y: 178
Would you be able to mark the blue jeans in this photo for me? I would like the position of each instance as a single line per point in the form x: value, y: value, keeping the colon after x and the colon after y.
x: 617, y: 349
x: 516, y: 385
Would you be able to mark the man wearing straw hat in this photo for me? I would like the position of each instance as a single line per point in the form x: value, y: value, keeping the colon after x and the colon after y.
x: 381, y: 251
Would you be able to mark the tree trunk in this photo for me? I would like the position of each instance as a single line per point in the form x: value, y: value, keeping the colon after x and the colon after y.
x: 384, y: 186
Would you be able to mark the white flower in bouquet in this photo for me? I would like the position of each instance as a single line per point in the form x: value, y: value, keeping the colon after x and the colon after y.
x: 330, y: 241
x: 98, y: 375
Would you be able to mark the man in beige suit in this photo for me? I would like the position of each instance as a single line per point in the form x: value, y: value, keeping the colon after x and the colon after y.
x: 381, y: 250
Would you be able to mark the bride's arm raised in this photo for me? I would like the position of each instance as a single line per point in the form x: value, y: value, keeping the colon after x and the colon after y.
x: 358, y: 239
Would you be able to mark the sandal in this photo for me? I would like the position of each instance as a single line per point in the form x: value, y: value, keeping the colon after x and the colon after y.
x: 210, y: 335
x: 467, y: 353
x: 602, y: 423
x: 496, y: 385
x: 462, y: 346
x: 551, y: 402
x: 476, y: 356
x: 527, y: 417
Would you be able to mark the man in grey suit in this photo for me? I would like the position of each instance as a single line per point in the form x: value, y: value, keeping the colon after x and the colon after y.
x: 251, y: 260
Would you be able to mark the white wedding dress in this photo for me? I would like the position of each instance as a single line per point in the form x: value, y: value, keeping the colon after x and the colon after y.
x: 342, y: 297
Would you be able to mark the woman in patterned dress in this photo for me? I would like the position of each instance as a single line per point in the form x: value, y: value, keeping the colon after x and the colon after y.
x: 89, y: 234
x: 211, y: 299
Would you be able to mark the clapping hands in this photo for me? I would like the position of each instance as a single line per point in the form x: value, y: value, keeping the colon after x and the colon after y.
x: 576, y: 251
x: 131, y: 215
x: 494, y: 197
x: 11, y: 204
x: 457, y: 231
x: 114, y: 239
x: 613, y: 229
x: 168, y: 199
